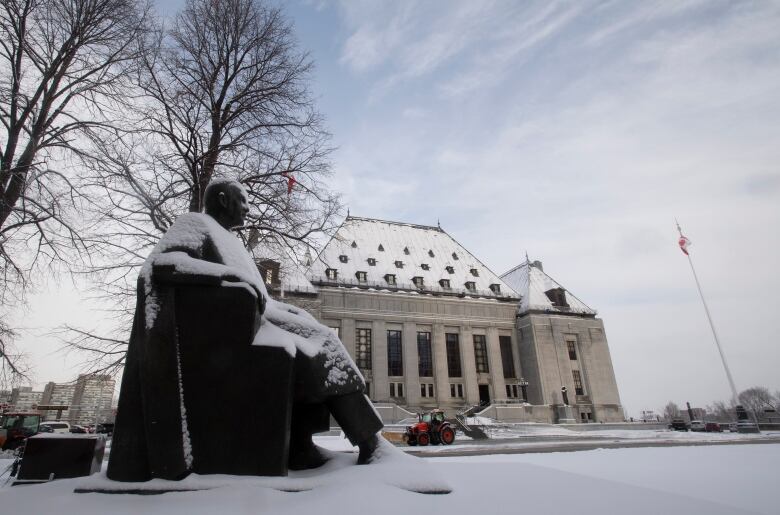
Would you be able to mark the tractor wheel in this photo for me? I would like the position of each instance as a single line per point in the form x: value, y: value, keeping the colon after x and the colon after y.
x: 423, y: 439
x: 447, y: 435
x: 412, y: 442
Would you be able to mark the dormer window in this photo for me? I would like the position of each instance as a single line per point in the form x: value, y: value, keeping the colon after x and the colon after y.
x: 371, y: 262
x: 331, y: 273
x: 474, y: 272
x: 444, y: 283
x: 450, y: 269
x: 495, y: 288
x: 425, y: 266
x: 269, y: 269
x: 354, y: 244
x: 558, y: 297
x: 390, y: 278
x: 470, y: 286
x: 399, y: 264
x: 418, y: 281
x: 430, y: 253
x: 380, y: 248
x: 361, y: 276
x: 406, y: 250
x: 343, y: 258
x: 455, y: 256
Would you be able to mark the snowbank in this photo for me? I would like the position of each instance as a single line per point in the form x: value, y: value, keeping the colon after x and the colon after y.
x: 711, y: 480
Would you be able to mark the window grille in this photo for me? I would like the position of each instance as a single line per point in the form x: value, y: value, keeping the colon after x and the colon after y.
x: 480, y: 353
x: 363, y: 348
x: 395, y: 366
x: 507, y: 358
x: 453, y: 355
x: 578, y: 389
x: 425, y: 354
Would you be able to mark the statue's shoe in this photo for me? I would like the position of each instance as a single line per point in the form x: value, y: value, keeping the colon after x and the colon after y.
x: 306, y: 457
x: 368, y: 450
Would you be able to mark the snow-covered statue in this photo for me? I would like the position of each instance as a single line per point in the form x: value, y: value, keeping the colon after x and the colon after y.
x: 218, y: 375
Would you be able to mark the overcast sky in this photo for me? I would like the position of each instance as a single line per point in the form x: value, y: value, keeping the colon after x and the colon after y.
x: 576, y: 132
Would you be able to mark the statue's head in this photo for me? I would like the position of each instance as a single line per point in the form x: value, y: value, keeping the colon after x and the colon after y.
x: 226, y: 201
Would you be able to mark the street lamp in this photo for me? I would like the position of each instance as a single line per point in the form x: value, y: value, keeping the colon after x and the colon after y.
x: 523, y: 385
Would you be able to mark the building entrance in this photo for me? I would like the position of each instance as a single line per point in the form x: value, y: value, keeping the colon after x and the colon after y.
x: 484, y: 394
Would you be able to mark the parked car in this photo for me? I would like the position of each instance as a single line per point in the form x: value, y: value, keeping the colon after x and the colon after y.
x: 106, y: 428
x: 56, y: 427
x: 713, y: 427
x: 678, y: 424
x: 698, y: 425
x: 733, y: 427
x: 78, y: 429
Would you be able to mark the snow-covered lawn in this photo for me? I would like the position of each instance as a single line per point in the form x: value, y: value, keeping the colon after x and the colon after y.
x: 731, y: 479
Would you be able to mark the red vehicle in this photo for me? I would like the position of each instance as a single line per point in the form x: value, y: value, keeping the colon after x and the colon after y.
x: 15, y: 428
x: 431, y: 428
x: 712, y: 427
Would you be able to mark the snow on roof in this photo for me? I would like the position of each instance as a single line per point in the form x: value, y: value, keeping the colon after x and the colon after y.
x: 365, y: 251
x: 529, y: 280
x: 292, y: 274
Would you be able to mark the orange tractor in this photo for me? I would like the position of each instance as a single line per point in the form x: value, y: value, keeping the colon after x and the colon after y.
x: 431, y: 428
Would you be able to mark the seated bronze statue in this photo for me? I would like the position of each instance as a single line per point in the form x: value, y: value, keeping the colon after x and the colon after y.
x: 219, y: 377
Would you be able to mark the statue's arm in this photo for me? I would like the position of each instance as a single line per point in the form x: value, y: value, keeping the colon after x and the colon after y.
x: 180, y: 268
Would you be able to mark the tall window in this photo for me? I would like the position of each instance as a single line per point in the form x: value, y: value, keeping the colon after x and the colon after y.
x: 507, y: 359
x: 480, y: 353
x: 453, y: 355
x: 363, y: 348
x: 572, y: 350
x: 395, y: 365
x: 425, y: 354
x: 578, y: 389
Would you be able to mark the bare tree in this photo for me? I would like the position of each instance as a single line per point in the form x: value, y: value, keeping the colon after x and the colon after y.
x: 224, y: 93
x: 722, y: 411
x: 756, y: 400
x: 671, y: 410
x: 62, y: 63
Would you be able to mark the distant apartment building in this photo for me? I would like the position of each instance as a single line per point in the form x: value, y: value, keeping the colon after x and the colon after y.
x: 23, y: 398
x: 92, y: 396
x: 57, y: 395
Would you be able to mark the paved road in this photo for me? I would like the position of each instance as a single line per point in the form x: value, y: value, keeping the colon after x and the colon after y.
x: 524, y: 446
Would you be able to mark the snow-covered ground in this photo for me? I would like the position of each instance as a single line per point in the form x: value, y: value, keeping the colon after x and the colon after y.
x: 730, y: 479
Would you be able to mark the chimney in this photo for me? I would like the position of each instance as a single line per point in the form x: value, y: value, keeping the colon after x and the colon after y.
x: 538, y: 264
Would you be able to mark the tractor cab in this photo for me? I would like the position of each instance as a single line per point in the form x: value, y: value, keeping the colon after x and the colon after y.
x: 17, y: 427
x: 433, y: 417
x: 431, y: 428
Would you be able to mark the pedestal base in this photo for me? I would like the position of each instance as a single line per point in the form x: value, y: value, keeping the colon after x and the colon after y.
x: 565, y: 415
x: 744, y: 424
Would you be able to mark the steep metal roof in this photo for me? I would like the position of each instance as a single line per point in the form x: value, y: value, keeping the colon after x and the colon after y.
x: 379, y: 248
x: 531, y: 282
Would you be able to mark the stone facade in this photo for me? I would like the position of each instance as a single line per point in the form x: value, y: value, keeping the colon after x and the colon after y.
x: 430, y: 326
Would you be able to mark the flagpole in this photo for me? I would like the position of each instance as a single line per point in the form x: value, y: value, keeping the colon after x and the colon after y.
x: 714, y: 332
x: 743, y: 425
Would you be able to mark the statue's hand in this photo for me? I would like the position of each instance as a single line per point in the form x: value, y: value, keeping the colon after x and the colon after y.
x: 260, y: 302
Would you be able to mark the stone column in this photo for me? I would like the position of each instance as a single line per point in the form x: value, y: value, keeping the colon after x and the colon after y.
x: 379, y: 361
x: 495, y: 364
x: 347, y: 333
x: 469, y: 365
x: 411, y: 364
x: 441, y: 377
